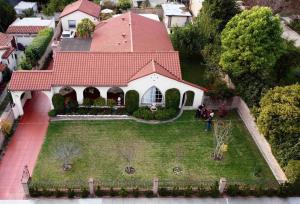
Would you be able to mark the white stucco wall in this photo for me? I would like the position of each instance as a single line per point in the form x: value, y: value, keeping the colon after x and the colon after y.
x: 77, y: 16
x: 173, y: 21
x: 11, y: 62
x: 24, y: 39
x: 195, y: 6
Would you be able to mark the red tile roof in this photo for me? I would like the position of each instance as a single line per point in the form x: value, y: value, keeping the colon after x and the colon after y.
x: 24, y: 29
x: 7, y: 53
x: 30, y: 80
x: 5, y: 39
x: 84, y: 6
x: 2, y: 67
x: 131, y: 32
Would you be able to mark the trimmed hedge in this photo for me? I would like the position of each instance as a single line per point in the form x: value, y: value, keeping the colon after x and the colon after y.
x: 58, y: 102
x: 95, y: 111
x: 132, y: 101
x: 161, y: 114
x: 172, y: 98
x: 38, y: 46
x: 99, y: 101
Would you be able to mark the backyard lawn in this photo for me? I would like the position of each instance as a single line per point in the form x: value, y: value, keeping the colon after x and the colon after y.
x: 158, y: 149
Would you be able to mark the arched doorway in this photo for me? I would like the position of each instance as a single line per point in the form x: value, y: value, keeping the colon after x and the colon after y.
x: 91, y: 93
x: 116, y: 94
x: 152, y: 96
x: 68, y: 93
x: 189, y: 95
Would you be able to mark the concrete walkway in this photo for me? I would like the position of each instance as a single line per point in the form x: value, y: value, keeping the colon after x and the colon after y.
x: 161, y: 201
x: 24, y: 147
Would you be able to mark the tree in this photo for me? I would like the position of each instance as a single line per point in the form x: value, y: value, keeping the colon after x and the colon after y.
x: 127, y: 150
x: 131, y: 101
x: 7, y: 15
x: 66, y: 151
x: 279, y: 119
x: 172, y: 98
x: 124, y: 4
x: 55, y: 6
x: 85, y: 28
x: 252, y: 43
x: 222, y: 132
x: 58, y: 102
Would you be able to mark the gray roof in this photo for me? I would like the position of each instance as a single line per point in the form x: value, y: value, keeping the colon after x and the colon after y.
x: 174, y: 9
x: 75, y: 44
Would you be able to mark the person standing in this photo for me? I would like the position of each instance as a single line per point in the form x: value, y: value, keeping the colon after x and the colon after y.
x: 209, y: 121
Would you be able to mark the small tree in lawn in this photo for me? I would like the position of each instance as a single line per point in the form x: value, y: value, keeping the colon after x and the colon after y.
x: 85, y: 28
x: 179, y: 152
x: 222, y: 132
x: 127, y: 151
x: 66, y: 151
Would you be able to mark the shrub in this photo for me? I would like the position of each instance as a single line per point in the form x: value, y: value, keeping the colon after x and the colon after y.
x: 52, y: 113
x: 85, y: 28
x: 71, y: 105
x: 98, y: 192
x: 47, y: 193
x: 123, y: 192
x: 202, y: 191
x: 136, y: 192
x: 71, y: 193
x: 165, y: 114
x: 108, y: 4
x: 149, y: 194
x: 112, y: 192
x: 58, y: 102
x: 214, y: 190
x: 87, y: 102
x: 172, y: 98
x: 99, y: 101
x: 292, y: 170
x: 111, y: 103
x: 163, y: 192
x: 38, y: 46
x: 124, y: 4
x: 233, y: 190
x: 221, y: 91
x: 188, y: 192
x: 131, y: 101
x: 25, y: 64
x: 84, y: 193
x: 34, y: 192
x: 175, y: 191
x: 6, y: 126
x: 160, y: 114
x: 58, y: 193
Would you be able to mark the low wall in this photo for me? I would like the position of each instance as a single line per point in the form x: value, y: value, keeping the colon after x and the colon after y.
x: 249, y: 121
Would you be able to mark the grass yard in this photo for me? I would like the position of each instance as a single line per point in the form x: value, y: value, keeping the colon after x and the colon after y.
x: 156, y: 147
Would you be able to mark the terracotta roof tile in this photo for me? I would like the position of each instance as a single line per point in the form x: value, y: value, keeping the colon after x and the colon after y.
x: 2, y: 67
x: 84, y: 6
x: 24, y: 29
x: 131, y: 32
x: 5, y: 39
x: 7, y: 53
x: 30, y: 80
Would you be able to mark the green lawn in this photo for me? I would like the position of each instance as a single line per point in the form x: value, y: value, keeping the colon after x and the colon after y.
x: 156, y: 147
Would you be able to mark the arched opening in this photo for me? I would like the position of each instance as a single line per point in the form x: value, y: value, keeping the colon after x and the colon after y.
x: 189, y: 95
x: 91, y: 93
x: 116, y: 94
x: 69, y: 94
x: 152, y: 96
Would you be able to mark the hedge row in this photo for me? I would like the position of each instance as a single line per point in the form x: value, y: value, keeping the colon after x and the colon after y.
x: 37, y: 48
x: 161, y: 113
x: 90, y: 111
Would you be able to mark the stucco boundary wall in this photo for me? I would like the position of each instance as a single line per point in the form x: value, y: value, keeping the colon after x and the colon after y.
x: 261, y: 142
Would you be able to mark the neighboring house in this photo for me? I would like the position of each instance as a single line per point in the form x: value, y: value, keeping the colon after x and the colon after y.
x: 195, y: 6
x: 25, y: 29
x: 128, y: 52
x: 23, y: 5
x: 175, y: 15
x: 7, y: 51
x: 75, y: 12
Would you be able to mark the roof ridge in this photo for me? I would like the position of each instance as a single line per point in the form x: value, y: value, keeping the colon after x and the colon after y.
x: 130, y: 31
x: 125, y: 52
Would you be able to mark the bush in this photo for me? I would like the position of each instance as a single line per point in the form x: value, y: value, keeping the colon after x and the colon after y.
x: 163, y: 192
x: 58, y: 193
x: 108, y: 4
x: 84, y: 193
x: 221, y: 91
x: 124, y: 4
x: 149, y: 194
x: 233, y: 190
x: 58, y: 102
x: 38, y: 46
x: 172, y: 99
x: 98, y: 192
x: 160, y: 114
x: 52, y: 113
x: 175, y: 191
x: 188, y: 192
x: 71, y: 193
x: 71, y: 105
x: 292, y: 171
x: 136, y: 192
x: 131, y: 101
x: 99, y: 101
x: 111, y: 103
x: 112, y: 192
x: 123, y: 192
x: 25, y: 64
x: 47, y: 193
x: 87, y: 102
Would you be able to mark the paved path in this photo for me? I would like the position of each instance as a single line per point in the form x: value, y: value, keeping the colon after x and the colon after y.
x: 24, y: 147
x: 263, y: 200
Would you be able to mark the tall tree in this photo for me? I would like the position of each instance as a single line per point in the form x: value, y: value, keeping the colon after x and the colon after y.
x: 252, y: 43
x: 7, y: 15
x: 85, y: 28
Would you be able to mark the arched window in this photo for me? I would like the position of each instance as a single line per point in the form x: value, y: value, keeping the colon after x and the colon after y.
x: 152, y: 95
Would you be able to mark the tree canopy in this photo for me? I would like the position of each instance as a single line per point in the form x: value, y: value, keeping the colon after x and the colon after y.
x: 279, y: 119
x: 85, y: 28
x: 251, y: 43
x: 7, y: 15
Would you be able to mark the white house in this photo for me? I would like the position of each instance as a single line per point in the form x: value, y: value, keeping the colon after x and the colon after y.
x: 25, y: 29
x: 175, y: 15
x: 195, y: 6
x: 75, y: 12
x: 24, y: 5
x: 123, y: 56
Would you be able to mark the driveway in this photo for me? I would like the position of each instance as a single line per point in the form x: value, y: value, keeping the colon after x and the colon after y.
x: 24, y: 147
